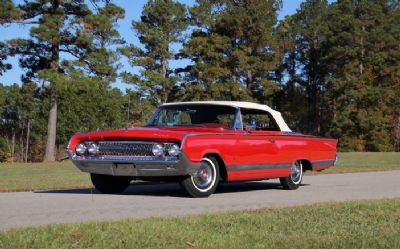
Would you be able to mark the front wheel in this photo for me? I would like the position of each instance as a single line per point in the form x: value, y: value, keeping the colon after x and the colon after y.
x: 293, y: 181
x: 204, y: 181
x: 107, y: 184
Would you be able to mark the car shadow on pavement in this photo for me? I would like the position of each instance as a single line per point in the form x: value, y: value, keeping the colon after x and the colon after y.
x: 173, y: 189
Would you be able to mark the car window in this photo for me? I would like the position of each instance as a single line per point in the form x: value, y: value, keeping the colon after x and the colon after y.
x: 212, y: 116
x: 174, y: 118
x: 258, y: 120
x: 225, y: 119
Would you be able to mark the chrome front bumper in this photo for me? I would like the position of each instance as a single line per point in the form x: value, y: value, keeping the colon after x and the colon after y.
x: 136, y: 168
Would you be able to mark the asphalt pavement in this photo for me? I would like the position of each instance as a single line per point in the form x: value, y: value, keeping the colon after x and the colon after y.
x: 26, y: 209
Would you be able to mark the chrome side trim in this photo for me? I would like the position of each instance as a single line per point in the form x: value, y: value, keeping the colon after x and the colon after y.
x: 184, y: 139
x: 240, y: 167
x: 323, y: 163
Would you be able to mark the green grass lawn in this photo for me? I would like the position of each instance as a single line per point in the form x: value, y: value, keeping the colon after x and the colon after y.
x: 356, y: 224
x: 40, y: 176
x: 365, y: 162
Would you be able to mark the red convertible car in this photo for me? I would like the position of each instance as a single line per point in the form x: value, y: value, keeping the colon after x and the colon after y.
x: 199, y: 145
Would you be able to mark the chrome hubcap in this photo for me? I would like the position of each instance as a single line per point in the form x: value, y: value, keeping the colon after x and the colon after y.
x: 204, y: 176
x: 296, y: 172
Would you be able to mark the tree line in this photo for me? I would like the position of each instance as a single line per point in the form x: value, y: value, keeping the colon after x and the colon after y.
x: 332, y: 69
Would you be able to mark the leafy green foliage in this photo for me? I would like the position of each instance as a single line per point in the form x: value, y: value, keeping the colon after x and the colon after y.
x: 9, y: 12
x: 18, y: 112
x: 3, y: 56
x: 101, y: 60
x: 87, y: 105
x: 60, y: 30
x: 340, y: 65
x: 161, y: 25
x: 362, y: 50
x: 304, y: 34
x: 233, y: 50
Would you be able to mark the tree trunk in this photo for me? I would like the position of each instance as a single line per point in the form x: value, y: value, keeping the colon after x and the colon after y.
x: 361, y: 65
x: 165, y: 76
x: 249, y: 79
x: 13, y: 146
x: 28, y: 133
x: 52, y: 120
x: 21, y: 142
x: 51, y: 128
x: 249, y: 73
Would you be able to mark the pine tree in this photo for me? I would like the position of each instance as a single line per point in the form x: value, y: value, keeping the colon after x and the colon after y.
x: 8, y: 13
x: 162, y: 24
x: 291, y: 98
x: 362, y: 54
x: 394, y: 21
x: 60, y: 29
x: 102, y: 60
x: 50, y: 36
x: 208, y: 76
x: 312, y: 29
x: 3, y: 56
x: 233, y: 48
x: 303, y: 96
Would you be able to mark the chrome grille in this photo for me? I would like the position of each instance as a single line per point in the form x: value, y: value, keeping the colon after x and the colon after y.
x: 125, y: 148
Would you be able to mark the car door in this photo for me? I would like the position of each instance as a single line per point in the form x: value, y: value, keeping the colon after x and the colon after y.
x: 256, y: 149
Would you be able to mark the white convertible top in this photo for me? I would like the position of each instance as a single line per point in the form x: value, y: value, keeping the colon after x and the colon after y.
x: 246, y: 105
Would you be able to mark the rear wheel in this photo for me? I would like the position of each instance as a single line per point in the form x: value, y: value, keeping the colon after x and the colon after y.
x: 204, y: 181
x: 293, y: 181
x: 107, y: 184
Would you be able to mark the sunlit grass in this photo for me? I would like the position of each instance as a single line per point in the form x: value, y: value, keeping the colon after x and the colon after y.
x: 365, y: 162
x: 356, y: 224
x: 39, y: 176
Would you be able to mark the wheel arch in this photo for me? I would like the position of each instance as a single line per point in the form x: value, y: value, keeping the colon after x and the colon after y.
x: 306, y: 164
x: 221, y: 164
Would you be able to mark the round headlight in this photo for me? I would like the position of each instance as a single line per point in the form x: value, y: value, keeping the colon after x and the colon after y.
x: 173, y: 150
x: 158, y: 149
x: 80, y: 149
x: 93, y: 148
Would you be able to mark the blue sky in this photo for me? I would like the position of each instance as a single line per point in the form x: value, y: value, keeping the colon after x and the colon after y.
x: 132, y: 12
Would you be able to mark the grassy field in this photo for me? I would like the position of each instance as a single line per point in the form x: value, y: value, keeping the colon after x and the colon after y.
x: 36, y: 176
x: 357, y: 224
x: 40, y: 176
x: 351, y: 162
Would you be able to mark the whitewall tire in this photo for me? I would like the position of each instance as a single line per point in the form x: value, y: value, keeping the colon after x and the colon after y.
x: 293, y: 181
x: 204, y: 181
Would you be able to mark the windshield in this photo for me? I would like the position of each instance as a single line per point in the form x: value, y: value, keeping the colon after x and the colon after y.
x: 211, y: 116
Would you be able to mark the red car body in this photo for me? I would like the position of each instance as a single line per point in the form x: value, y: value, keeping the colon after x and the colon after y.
x: 240, y: 154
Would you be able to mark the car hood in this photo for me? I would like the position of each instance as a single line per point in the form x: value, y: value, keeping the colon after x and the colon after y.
x: 133, y: 133
x: 171, y: 134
